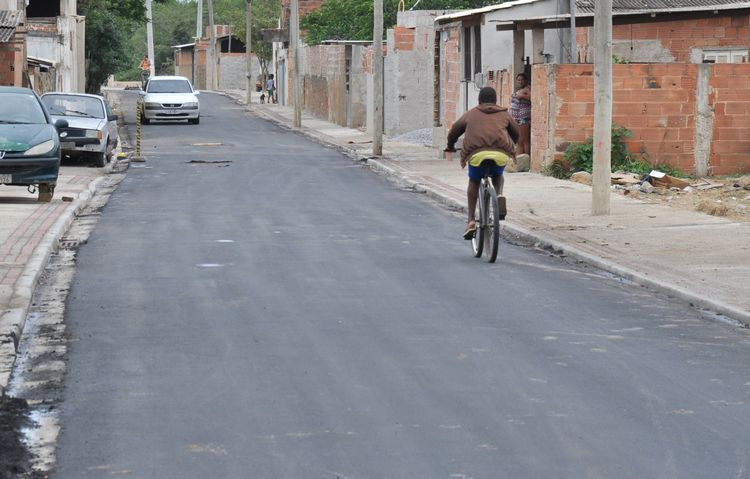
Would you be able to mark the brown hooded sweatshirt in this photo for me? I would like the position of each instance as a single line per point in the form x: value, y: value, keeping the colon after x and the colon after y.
x: 488, y: 127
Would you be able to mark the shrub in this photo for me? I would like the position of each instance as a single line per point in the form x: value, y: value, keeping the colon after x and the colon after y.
x: 580, y: 157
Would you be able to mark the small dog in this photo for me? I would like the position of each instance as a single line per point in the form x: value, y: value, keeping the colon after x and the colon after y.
x: 262, y: 97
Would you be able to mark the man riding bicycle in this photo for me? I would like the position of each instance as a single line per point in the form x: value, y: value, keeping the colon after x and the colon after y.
x: 145, y: 67
x: 489, y: 144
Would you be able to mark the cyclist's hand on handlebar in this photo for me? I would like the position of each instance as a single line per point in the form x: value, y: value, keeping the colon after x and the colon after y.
x: 463, y: 163
x: 449, y: 155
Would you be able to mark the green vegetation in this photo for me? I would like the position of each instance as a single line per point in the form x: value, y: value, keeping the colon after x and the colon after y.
x: 580, y: 157
x: 174, y: 24
x: 108, y: 24
x: 353, y: 19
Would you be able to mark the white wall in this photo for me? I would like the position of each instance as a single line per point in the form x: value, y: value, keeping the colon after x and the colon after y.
x: 66, y: 55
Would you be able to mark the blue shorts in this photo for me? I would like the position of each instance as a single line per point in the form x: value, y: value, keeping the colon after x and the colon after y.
x: 476, y: 173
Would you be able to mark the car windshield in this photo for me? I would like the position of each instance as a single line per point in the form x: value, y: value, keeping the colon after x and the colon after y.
x: 74, y: 105
x: 169, y: 86
x: 20, y: 108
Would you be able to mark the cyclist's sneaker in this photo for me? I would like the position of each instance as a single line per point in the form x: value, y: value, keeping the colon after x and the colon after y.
x: 471, y: 229
x: 501, y: 207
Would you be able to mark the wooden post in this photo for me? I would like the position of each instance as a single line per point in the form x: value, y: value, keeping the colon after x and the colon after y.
x: 377, y: 80
x: 602, y: 107
x: 294, y: 48
x: 211, y: 52
x: 248, y: 50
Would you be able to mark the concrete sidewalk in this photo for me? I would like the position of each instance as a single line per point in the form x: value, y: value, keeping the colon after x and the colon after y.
x: 701, y: 259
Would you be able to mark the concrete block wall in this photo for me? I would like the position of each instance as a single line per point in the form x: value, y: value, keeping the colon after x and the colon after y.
x: 675, y: 117
x: 232, y: 71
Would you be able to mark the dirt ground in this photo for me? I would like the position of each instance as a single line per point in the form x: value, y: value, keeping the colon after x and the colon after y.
x: 731, y: 200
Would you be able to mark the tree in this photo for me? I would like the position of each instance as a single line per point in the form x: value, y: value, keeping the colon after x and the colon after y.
x: 265, y: 15
x: 108, y: 25
x: 353, y: 19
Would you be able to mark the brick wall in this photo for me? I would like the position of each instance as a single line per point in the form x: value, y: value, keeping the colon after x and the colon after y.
x: 657, y: 102
x: 679, y: 37
x: 323, y: 81
x: 729, y: 95
x: 404, y: 38
x: 12, y: 60
x: 450, y: 75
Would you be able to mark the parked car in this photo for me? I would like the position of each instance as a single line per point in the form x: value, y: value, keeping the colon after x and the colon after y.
x: 29, y: 143
x: 170, y: 98
x: 92, y: 126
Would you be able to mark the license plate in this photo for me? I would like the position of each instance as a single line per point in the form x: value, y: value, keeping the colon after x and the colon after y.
x: 173, y: 112
x: 6, y: 178
x: 67, y: 145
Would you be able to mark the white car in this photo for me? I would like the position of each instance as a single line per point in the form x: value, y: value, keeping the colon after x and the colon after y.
x: 92, y: 126
x: 170, y: 98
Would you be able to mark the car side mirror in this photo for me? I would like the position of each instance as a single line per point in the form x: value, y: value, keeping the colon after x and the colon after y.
x: 112, y: 118
x: 141, y: 92
x: 196, y: 92
x: 60, y: 123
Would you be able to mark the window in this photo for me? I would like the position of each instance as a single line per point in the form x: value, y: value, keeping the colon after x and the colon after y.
x: 43, y: 8
x: 725, y: 56
x: 472, y: 51
x: 168, y: 86
x: 73, y: 105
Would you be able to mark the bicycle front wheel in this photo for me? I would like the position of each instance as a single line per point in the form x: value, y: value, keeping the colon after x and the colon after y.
x: 477, y: 242
x: 491, y: 230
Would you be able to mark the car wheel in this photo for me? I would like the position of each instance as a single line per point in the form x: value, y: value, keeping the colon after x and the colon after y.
x: 144, y: 120
x: 100, y: 159
x: 195, y: 121
x: 46, y: 191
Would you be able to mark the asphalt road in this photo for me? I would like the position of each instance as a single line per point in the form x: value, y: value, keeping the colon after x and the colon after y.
x: 292, y: 315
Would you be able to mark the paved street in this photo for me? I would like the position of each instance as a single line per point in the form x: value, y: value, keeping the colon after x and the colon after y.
x: 289, y: 314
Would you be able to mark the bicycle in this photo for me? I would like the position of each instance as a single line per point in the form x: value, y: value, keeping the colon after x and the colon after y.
x: 488, y: 222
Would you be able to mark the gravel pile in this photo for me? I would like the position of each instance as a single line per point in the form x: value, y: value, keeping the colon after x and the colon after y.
x: 422, y: 136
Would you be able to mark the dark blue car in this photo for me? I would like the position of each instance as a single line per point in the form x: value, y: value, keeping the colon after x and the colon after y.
x: 29, y: 142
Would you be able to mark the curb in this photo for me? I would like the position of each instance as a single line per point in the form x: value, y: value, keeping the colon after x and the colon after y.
x: 631, y: 275
x: 13, y: 319
x: 628, y: 274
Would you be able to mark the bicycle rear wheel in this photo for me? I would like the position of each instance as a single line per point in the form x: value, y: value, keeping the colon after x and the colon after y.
x: 491, y: 230
x: 477, y: 242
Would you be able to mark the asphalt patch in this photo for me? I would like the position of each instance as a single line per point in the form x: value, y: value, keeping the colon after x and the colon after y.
x: 14, y: 456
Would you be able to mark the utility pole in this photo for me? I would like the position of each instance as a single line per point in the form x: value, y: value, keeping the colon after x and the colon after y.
x: 150, y: 37
x: 211, y: 57
x: 573, y: 37
x: 602, y: 107
x: 377, y: 81
x: 199, y: 21
x: 294, y: 47
x: 248, y: 48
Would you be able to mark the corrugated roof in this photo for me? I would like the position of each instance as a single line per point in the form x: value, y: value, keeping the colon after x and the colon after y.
x: 587, y: 6
x: 9, y: 20
x: 478, y: 11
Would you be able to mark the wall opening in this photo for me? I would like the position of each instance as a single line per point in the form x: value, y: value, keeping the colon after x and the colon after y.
x: 43, y: 8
